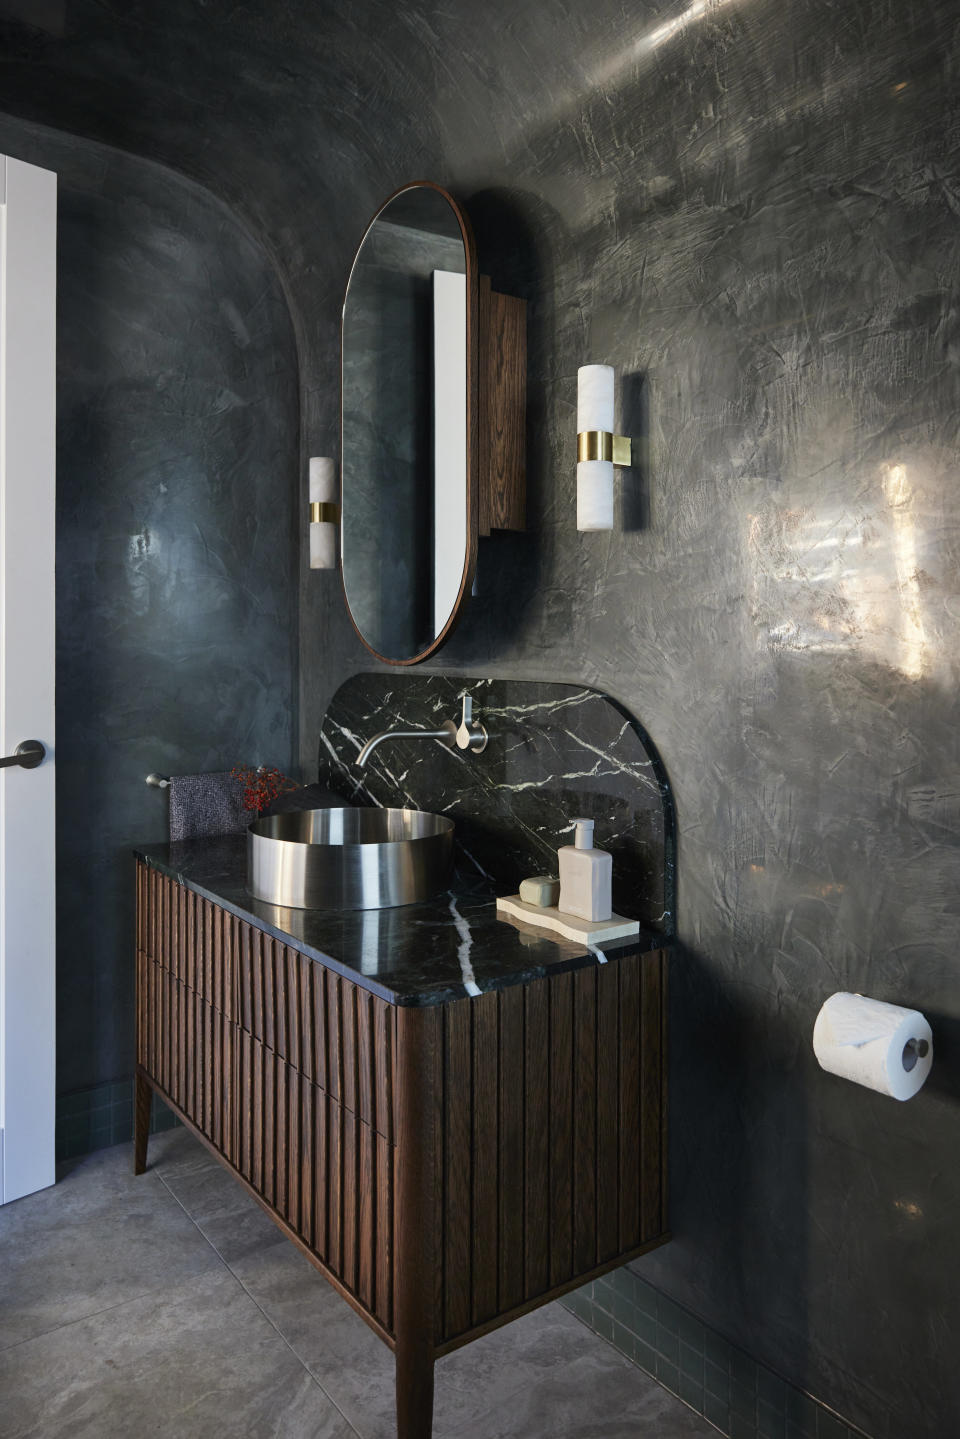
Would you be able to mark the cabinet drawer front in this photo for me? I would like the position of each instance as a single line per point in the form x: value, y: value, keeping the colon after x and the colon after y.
x: 324, y: 1171
x: 191, y: 938
x: 189, y: 1049
x: 334, y: 1033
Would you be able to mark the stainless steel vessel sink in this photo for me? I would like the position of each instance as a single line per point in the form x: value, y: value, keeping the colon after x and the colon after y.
x: 349, y: 858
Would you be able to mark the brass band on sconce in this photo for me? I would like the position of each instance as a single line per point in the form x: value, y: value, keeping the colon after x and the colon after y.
x: 324, y: 512
x: 601, y: 445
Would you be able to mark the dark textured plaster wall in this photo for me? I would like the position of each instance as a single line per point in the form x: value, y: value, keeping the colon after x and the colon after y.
x: 176, y: 605
x: 756, y: 217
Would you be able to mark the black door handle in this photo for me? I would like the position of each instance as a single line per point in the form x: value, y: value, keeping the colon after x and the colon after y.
x: 28, y: 754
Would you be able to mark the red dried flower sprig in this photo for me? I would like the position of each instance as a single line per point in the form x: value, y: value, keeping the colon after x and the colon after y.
x: 261, y: 786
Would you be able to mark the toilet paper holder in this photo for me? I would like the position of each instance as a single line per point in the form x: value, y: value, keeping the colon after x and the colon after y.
x: 913, y: 1050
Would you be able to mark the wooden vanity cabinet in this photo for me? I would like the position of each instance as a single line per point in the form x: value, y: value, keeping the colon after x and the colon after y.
x: 447, y: 1167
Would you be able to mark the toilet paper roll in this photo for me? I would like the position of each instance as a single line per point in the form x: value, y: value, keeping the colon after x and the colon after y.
x: 881, y: 1046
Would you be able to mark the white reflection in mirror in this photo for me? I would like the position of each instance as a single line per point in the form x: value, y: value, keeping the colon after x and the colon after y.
x: 449, y: 441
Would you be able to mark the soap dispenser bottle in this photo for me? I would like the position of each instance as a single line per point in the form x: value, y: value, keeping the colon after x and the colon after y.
x: 586, y: 876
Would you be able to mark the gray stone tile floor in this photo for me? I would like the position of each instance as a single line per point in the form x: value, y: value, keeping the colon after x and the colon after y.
x: 170, y: 1305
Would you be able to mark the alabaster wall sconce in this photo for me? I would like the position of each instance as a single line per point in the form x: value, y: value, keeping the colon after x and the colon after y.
x: 324, y: 514
x: 599, y: 449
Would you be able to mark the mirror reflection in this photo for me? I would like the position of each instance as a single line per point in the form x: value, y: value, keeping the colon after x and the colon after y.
x: 404, y: 441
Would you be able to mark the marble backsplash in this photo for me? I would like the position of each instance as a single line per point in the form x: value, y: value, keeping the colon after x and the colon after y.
x: 555, y: 751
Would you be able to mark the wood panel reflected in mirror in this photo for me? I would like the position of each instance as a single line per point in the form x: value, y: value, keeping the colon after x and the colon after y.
x: 432, y: 431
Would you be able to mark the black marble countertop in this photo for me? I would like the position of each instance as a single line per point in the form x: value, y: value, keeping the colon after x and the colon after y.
x: 417, y: 954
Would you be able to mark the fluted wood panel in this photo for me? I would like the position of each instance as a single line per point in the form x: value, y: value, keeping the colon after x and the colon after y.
x: 338, y: 1035
x: 188, y: 1047
x: 285, y: 1066
x: 325, y: 1172
x: 552, y: 1135
x: 194, y: 940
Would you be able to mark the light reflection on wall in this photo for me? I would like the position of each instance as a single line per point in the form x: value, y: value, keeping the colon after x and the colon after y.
x: 912, y: 638
x: 832, y: 580
x: 651, y: 40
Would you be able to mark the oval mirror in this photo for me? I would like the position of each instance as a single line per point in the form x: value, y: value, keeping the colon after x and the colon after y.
x: 408, y: 501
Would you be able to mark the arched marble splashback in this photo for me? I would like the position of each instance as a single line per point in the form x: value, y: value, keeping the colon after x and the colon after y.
x: 555, y: 751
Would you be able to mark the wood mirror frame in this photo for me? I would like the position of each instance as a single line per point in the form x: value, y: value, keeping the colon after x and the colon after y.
x: 495, y: 417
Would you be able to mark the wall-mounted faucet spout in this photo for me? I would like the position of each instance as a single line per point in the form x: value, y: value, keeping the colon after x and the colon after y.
x: 468, y: 735
x: 447, y: 737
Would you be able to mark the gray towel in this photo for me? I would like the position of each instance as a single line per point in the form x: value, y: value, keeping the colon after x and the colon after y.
x: 206, y: 804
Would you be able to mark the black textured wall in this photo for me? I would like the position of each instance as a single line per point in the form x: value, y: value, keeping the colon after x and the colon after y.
x: 176, y: 464
x: 754, y: 216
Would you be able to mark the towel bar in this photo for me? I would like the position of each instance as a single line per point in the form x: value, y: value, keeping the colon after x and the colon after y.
x: 162, y: 781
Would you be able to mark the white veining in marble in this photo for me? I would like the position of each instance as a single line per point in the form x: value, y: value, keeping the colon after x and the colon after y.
x: 466, y: 944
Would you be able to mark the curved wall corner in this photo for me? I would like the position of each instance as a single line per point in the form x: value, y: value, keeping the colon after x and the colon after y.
x: 178, y: 450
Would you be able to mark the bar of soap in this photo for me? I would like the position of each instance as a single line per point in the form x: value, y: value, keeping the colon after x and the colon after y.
x: 542, y: 890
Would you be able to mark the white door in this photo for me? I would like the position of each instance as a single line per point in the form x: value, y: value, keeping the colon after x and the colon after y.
x: 28, y: 258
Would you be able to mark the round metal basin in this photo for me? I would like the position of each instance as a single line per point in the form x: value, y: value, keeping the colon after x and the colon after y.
x: 349, y: 858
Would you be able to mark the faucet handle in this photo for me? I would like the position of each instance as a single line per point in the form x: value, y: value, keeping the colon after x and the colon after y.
x: 471, y: 735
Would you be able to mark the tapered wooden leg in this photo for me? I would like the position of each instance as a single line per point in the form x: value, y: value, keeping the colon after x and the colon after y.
x: 142, y: 1097
x: 414, y: 1391
x: 418, y: 1060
